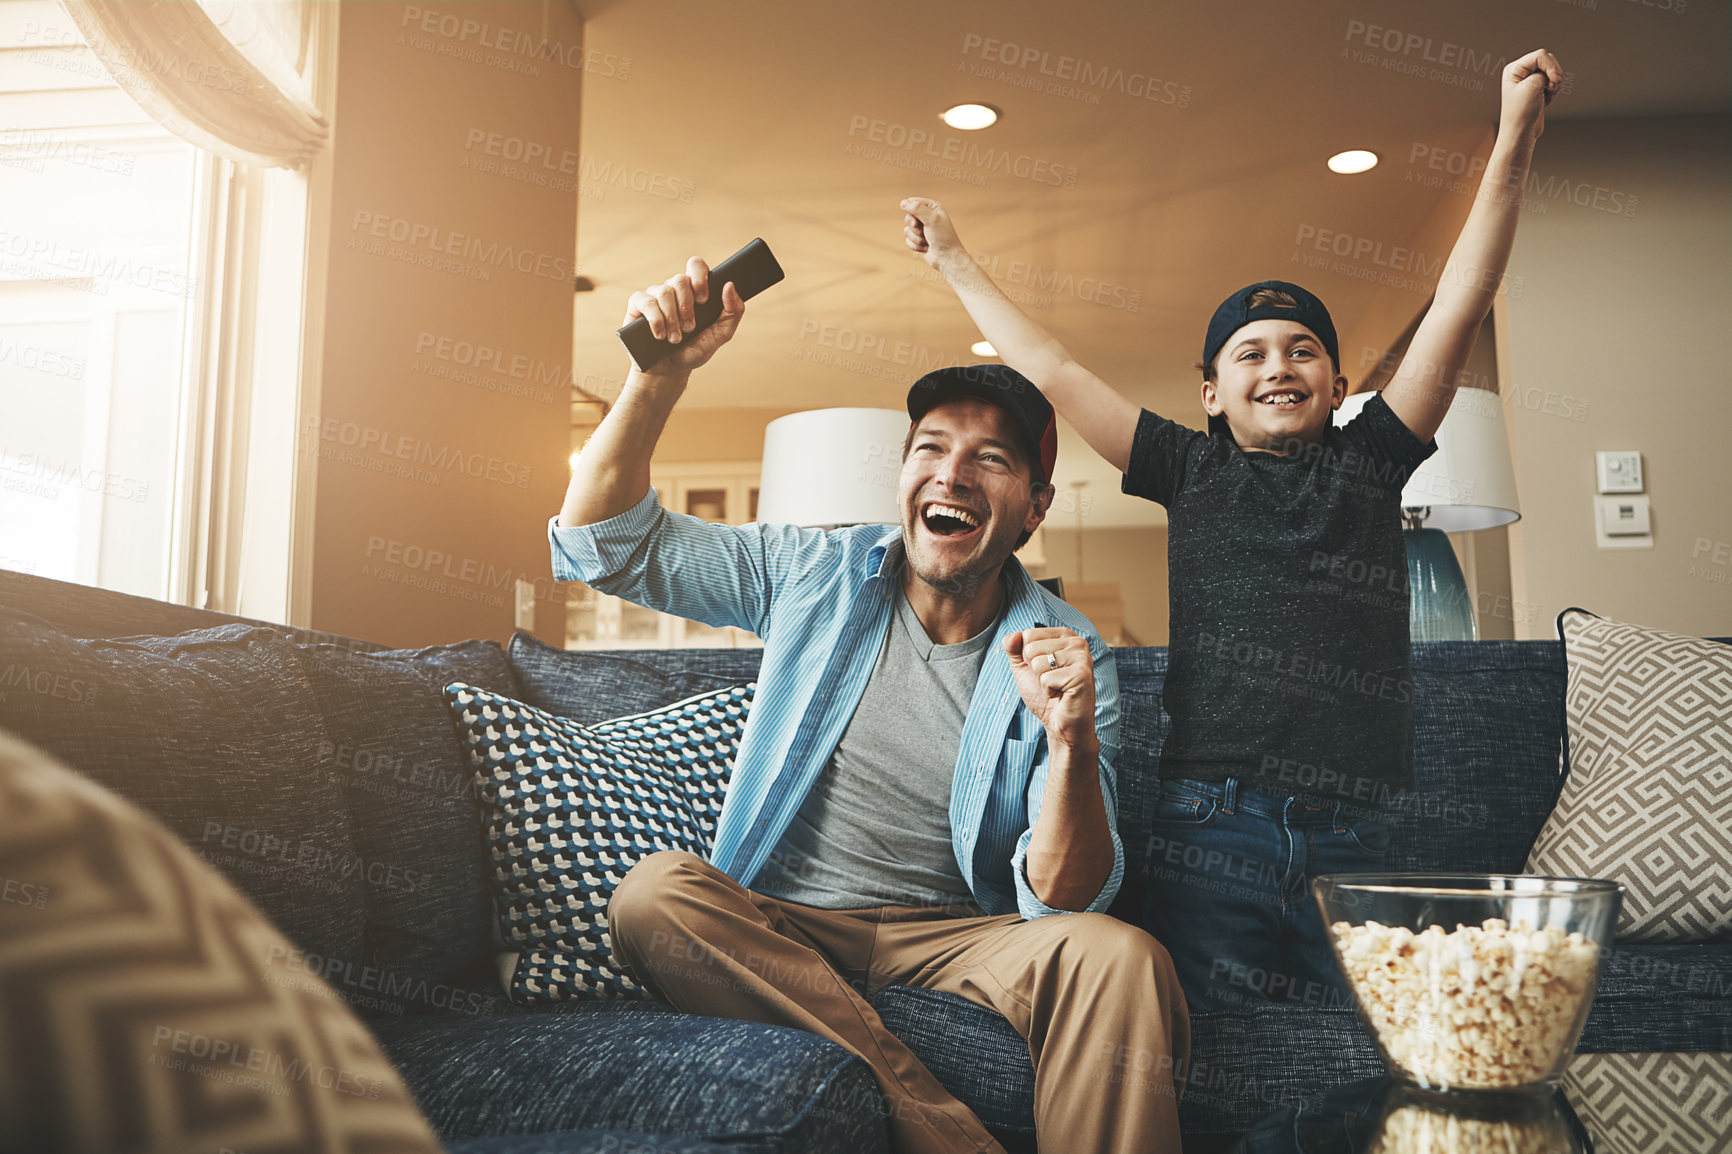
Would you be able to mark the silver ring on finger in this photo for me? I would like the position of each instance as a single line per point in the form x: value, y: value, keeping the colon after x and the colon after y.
x: 1052, y: 661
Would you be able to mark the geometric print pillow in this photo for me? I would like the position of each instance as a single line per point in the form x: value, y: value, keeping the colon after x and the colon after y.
x: 568, y: 809
x: 1648, y: 799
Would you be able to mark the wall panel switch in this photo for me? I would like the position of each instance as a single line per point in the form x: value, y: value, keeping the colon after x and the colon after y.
x: 1622, y: 523
x: 1620, y: 472
x: 523, y: 607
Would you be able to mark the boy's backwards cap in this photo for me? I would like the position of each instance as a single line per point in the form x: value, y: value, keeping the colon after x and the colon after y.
x: 1002, y: 386
x: 1234, y: 314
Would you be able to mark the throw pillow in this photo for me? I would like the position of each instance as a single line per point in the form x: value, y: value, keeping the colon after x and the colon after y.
x: 218, y: 734
x: 411, y: 800
x: 1642, y: 1103
x: 1648, y: 799
x: 570, y: 808
x: 146, y: 1006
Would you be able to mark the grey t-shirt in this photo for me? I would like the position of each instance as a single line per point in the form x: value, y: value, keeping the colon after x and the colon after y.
x: 875, y: 829
x: 1288, y: 662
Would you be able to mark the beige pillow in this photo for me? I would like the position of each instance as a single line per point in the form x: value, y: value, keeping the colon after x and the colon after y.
x: 1653, y: 1103
x: 146, y: 1006
x: 1648, y: 800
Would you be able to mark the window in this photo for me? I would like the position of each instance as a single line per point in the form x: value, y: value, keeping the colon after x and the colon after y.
x: 95, y: 298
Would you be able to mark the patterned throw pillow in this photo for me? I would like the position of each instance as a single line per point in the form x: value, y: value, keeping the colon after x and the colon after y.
x: 570, y: 808
x: 1648, y: 1103
x: 1648, y: 800
x: 147, y: 1006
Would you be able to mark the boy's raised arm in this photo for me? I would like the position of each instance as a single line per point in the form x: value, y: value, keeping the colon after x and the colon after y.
x: 1106, y: 420
x: 1424, y: 385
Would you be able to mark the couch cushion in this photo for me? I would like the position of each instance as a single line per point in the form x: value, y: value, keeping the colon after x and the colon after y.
x: 1662, y: 997
x: 590, y: 687
x: 146, y: 1005
x: 570, y: 808
x: 1648, y: 801
x: 411, y: 803
x: 217, y: 733
x: 1488, y: 726
x: 634, y: 1066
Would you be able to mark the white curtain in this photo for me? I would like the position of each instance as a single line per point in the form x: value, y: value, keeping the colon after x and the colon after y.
x: 231, y: 76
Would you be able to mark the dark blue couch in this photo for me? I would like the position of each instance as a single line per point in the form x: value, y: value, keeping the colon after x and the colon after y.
x: 233, y: 729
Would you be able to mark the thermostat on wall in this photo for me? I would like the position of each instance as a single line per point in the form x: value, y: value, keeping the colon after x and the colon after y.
x: 1620, y: 472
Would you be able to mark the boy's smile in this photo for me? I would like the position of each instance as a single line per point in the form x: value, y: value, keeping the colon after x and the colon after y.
x: 1275, y: 384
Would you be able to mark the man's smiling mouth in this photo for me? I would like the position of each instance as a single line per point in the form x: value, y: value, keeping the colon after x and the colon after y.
x: 944, y: 519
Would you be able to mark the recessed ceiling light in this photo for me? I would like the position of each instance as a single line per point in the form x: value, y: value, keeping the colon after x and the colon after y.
x: 1356, y: 160
x: 983, y: 349
x: 970, y: 117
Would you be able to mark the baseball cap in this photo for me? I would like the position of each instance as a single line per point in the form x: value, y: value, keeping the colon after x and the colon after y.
x: 1235, y: 313
x: 1002, y: 386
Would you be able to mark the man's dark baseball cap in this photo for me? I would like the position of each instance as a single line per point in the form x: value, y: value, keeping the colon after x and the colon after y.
x: 1004, y: 387
x: 1234, y: 314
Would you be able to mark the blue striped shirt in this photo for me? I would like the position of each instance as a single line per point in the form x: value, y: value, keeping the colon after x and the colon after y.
x: 822, y: 600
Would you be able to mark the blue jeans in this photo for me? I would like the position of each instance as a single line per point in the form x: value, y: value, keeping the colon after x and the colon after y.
x: 1229, y: 891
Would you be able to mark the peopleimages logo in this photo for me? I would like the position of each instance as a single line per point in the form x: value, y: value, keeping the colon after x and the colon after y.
x: 436, y: 241
x: 920, y: 143
x: 1064, y: 75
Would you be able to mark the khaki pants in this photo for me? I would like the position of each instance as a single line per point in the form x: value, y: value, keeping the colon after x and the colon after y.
x: 1096, y: 999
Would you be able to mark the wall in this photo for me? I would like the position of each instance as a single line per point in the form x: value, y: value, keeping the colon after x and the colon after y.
x: 1616, y: 342
x: 453, y: 232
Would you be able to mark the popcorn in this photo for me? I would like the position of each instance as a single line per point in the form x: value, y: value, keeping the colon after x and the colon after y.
x: 1413, y: 1130
x: 1478, y: 1007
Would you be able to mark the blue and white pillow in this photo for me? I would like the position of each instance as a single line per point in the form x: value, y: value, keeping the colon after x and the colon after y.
x: 568, y: 809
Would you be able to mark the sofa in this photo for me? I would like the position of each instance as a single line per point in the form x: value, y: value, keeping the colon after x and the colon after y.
x: 322, y: 775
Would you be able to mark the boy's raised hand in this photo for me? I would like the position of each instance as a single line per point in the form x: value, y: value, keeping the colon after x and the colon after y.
x: 1528, y: 86
x: 927, y: 229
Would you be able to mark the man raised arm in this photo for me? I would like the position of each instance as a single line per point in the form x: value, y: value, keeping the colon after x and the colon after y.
x: 613, y: 470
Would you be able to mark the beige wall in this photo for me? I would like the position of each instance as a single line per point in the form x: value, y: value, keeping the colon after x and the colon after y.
x: 1616, y: 341
x: 436, y: 477
x: 715, y: 435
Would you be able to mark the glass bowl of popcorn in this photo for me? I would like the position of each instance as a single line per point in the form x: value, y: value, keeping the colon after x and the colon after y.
x: 1471, y: 981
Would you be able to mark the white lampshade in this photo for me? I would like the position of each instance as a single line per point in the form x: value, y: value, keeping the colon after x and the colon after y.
x: 829, y: 467
x: 1469, y: 483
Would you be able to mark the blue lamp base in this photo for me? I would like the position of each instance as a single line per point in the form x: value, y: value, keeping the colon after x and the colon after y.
x: 1439, y: 608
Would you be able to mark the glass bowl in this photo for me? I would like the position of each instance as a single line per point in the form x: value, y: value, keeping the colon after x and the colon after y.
x: 1471, y: 981
x: 1411, y: 1121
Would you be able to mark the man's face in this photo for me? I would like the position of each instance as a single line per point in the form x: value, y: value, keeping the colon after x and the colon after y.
x: 1275, y: 385
x: 965, y: 494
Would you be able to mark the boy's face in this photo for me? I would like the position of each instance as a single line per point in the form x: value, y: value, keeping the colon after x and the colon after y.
x: 965, y: 494
x: 1275, y: 385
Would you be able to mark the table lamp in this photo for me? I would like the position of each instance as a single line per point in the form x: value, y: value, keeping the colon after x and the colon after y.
x: 829, y: 467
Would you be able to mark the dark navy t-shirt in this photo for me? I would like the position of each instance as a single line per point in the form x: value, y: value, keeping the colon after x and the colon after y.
x: 1288, y: 657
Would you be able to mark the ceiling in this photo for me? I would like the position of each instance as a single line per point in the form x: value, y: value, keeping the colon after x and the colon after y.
x: 793, y: 121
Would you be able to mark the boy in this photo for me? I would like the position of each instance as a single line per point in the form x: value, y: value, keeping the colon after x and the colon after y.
x: 1269, y: 685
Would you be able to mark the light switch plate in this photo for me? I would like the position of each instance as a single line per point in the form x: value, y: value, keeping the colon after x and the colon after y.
x: 1620, y: 472
x: 1623, y: 523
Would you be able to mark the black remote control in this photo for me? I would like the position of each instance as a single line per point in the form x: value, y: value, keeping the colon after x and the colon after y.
x: 753, y: 269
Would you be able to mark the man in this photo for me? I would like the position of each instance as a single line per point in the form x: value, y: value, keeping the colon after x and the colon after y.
x: 924, y: 792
